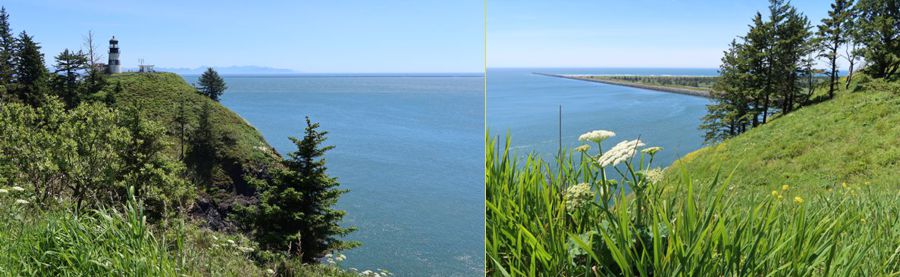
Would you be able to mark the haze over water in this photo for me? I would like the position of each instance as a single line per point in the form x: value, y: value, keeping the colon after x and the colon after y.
x: 410, y: 149
x: 526, y: 106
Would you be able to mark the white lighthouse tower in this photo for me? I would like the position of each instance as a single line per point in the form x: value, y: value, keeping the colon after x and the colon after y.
x: 114, y: 66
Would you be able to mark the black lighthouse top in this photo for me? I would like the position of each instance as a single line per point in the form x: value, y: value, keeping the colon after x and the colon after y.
x: 113, y: 45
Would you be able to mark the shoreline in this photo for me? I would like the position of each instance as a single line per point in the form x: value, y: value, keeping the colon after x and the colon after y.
x: 684, y: 91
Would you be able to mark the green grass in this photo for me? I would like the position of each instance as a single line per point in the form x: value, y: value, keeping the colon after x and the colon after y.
x: 852, y: 139
x: 720, y: 211
x: 161, y: 95
x: 120, y: 242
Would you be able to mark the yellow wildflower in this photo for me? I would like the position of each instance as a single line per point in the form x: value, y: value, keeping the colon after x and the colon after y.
x: 774, y: 193
x: 785, y: 187
x: 798, y: 200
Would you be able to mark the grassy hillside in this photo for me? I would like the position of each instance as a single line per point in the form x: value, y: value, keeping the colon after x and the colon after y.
x: 161, y: 94
x: 813, y: 193
x: 244, y: 152
x: 852, y: 139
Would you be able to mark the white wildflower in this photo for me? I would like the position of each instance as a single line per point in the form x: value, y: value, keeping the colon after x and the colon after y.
x: 270, y: 271
x: 20, y: 201
x: 596, y: 136
x: 583, y: 148
x: 577, y: 196
x: 245, y: 249
x: 652, y: 150
x: 18, y: 188
x: 215, y: 237
x: 340, y: 258
x: 653, y: 175
x: 230, y: 242
x: 366, y: 273
x: 4, y: 191
x: 619, y: 153
x: 328, y: 255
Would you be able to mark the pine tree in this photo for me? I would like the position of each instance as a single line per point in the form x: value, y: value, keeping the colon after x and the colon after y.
x: 211, y: 84
x: 154, y: 177
x: 69, y: 65
x: 201, y: 156
x: 853, y: 51
x: 879, y: 26
x: 7, y: 51
x: 31, y: 72
x: 833, y: 33
x: 295, y: 211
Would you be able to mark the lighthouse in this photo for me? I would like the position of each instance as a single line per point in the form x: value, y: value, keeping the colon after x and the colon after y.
x: 114, y: 66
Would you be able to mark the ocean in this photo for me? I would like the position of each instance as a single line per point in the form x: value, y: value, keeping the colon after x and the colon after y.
x: 526, y: 106
x: 408, y: 146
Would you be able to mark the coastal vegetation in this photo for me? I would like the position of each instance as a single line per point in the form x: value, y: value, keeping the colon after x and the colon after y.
x: 143, y: 174
x: 771, y: 71
x: 814, y: 193
x: 700, y: 83
x: 799, y: 178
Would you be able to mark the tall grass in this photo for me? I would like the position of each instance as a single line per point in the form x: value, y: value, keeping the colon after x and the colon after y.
x: 41, y: 241
x: 679, y: 228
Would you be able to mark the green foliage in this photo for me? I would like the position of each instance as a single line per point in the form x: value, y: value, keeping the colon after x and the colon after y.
x: 295, y: 213
x: 31, y: 73
x: 761, y: 73
x: 88, y: 154
x: 703, y: 83
x: 852, y: 139
x: 120, y: 242
x: 67, y: 80
x: 155, y: 177
x: 833, y: 33
x: 166, y: 98
x: 677, y: 226
x: 211, y: 84
x: 878, y: 23
x: 7, y: 52
x: 201, y: 155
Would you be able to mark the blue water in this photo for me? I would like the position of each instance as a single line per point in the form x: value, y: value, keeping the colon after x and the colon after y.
x: 526, y: 106
x: 410, y: 149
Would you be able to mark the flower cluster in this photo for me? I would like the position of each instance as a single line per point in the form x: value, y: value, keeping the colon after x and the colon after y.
x: 619, y: 153
x: 229, y: 243
x: 333, y: 259
x: 15, y: 189
x: 596, y: 136
x: 653, y: 175
x: 583, y: 148
x: 577, y: 196
x: 374, y: 273
x: 651, y: 150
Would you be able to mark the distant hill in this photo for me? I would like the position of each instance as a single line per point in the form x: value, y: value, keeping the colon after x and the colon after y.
x: 243, y: 69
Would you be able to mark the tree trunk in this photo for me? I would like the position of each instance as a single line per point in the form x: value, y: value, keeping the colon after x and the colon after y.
x: 849, y: 76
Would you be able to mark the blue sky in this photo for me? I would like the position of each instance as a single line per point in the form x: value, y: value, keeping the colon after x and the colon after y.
x: 606, y: 33
x: 306, y: 36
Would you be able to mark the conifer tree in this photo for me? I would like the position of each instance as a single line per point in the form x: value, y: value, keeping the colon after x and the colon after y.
x: 69, y: 65
x: 7, y: 51
x: 201, y: 156
x: 211, y: 84
x: 31, y: 72
x: 853, y: 51
x: 833, y: 34
x: 879, y: 26
x: 295, y: 210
